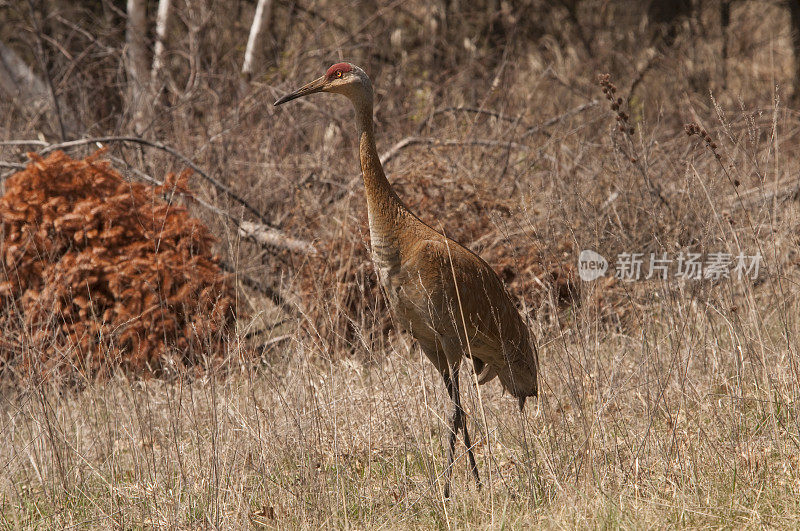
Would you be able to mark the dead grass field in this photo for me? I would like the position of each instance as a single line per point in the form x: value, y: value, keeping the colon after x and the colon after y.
x: 664, y: 403
x: 691, y: 423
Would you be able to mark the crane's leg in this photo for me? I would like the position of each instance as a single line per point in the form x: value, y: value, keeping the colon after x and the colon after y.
x: 472, y: 464
x: 452, y: 385
x: 448, y: 471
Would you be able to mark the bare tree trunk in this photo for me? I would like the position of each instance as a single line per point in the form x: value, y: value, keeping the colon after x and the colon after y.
x: 137, y: 64
x: 18, y: 80
x: 794, y: 10
x: 162, y: 20
x: 43, y: 64
x: 30, y: 93
x: 261, y: 22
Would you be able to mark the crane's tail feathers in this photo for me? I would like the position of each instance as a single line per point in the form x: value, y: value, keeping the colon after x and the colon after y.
x: 520, y: 378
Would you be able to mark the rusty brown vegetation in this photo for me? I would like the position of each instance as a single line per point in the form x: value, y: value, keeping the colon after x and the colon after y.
x: 99, y: 272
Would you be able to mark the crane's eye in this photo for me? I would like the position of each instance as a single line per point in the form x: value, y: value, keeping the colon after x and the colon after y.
x: 338, y: 73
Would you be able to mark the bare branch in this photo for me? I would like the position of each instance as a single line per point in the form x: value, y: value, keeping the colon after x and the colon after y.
x: 24, y: 143
x: 316, y: 14
x: 554, y: 120
x: 756, y: 196
x: 172, y: 151
x: 475, y: 110
x: 416, y: 140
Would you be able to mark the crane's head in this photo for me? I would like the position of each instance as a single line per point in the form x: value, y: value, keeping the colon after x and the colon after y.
x: 342, y: 78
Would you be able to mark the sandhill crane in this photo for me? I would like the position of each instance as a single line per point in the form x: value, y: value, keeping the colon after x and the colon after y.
x: 446, y: 296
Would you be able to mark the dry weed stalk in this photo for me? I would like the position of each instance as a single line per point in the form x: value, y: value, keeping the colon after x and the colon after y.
x: 629, y: 149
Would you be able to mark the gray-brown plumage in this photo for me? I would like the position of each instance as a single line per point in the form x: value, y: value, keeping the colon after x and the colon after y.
x: 445, y: 295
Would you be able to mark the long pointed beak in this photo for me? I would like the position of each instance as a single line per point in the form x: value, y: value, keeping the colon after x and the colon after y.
x: 315, y: 86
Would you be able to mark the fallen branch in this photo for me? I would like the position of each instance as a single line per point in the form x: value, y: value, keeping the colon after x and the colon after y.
x: 274, y: 341
x: 278, y: 240
x: 274, y: 238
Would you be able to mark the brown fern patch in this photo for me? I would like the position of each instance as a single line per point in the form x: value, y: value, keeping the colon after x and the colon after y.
x: 97, y: 272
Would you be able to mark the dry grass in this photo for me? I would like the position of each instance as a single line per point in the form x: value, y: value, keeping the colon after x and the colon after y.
x: 691, y: 423
x: 663, y: 404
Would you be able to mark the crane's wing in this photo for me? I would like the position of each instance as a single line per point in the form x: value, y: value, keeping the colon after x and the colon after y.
x: 467, y: 301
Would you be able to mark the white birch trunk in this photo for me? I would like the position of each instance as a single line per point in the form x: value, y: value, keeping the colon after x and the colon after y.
x: 137, y: 64
x: 162, y: 20
x: 261, y: 22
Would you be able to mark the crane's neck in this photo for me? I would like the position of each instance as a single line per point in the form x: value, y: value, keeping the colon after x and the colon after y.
x: 384, y: 207
x: 378, y: 189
